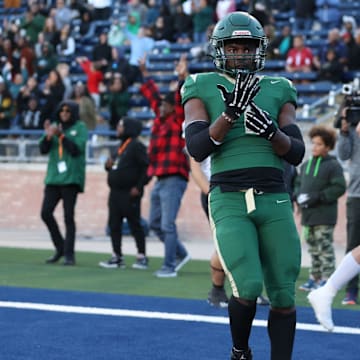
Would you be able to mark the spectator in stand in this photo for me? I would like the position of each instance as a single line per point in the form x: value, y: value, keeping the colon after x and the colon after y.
x: 16, y: 81
x: 353, y: 51
x: 299, y: 58
x: 6, y: 106
x: 119, y: 64
x: 334, y: 41
x: 94, y: 78
x: 26, y: 52
x: 163, y: 28
x: 331, y: 69
x: 169, y: 164
x: 30, y: 119
x: 243, y: 5
x: 348, y: 25
x: 101, y: 53
x: 33, y: 21
x: 281, y: 44
x: 140, y: 45
x: 46, y: 62
x: 117, y: 34
x: 117, y: 99
x: 262, y: 14
x: 87, y: 110
x: 328, y: 13
x: 66, y: 46
x: 38, y: 47
x: 153, y: 13
x: 224, y: 7
x: 64, y: 71
x: 133, y: 23
x: 30, y: 89
x: 304, y: 15
x: 52, y: 94
x: 50, y: 33
x: 139, y: 9
x: 62, y: 14
x: 162, y: 31
x: 127, y: 177
x: 101, y: 9
x: 78, y: 8
x: 203, y: 17
x: 183, y: 25
x: 86, y: 20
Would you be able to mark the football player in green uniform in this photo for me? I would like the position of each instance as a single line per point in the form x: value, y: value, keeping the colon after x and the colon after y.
x: 246, y: 123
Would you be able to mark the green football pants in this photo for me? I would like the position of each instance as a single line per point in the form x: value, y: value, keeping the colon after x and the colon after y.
x: 259, y: 247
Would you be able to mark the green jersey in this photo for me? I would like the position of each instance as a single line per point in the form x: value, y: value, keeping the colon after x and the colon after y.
x: 241, y: 149
x: 64, y: 169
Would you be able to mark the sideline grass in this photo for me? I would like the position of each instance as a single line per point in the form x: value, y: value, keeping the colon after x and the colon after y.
x: 27, y: 268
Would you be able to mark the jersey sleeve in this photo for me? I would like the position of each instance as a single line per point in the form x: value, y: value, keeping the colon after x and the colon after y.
x: 189, y: 89
x: 289, y: 92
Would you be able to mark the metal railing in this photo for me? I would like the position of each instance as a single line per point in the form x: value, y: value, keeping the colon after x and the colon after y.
x: 23, y: 146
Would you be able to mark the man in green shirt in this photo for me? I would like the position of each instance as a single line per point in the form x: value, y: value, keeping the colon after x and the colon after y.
x: 65, y: 142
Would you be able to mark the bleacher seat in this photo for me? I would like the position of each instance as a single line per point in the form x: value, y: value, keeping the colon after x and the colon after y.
x: 78, y: 77
x: 299, y: 76
x: 96, y: 27
x: 144, y: 114
x: 317, y: 88
x: 169, y: 57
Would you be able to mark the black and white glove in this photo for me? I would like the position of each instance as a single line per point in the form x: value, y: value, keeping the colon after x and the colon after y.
x: 245, y: 89
x: 259, y: 122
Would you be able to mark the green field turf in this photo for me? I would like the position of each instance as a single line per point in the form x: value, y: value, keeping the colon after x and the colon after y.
x: 27, y: 268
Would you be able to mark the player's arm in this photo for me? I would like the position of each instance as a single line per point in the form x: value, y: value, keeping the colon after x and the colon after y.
x: 201, y: 137
x: 287, y: 140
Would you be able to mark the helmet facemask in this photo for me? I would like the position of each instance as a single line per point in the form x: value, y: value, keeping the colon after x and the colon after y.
x: 244, y: 63
x: 239, y: 27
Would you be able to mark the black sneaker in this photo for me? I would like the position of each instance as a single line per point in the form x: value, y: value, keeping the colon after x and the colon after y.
x: 141, y: 263
x: 217, y: 297
x: 113, y: 263
x: 241, y: 354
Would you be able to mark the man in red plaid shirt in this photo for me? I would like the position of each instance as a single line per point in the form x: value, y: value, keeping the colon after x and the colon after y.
x: 169, y: 164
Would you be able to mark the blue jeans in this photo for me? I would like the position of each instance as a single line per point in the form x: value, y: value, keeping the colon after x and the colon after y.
x: 164, y: 206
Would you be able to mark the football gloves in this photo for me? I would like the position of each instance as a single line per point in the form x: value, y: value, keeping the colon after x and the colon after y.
x: 259, y: 122
x: 245, y: 89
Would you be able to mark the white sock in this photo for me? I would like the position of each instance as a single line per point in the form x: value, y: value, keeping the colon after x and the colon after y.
x: 346, y: 270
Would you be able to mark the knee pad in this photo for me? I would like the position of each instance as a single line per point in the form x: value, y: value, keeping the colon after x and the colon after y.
x: 248, y: 289
x: 282, y: 298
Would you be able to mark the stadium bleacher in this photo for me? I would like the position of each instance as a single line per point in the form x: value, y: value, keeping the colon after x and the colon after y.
x: 161, y: 62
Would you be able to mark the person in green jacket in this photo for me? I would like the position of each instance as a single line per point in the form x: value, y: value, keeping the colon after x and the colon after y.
x: 319, y: 185
x: 65, y: 142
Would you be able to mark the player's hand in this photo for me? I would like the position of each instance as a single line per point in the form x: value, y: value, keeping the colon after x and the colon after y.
x: 245, y: 89
x: 259, y: 122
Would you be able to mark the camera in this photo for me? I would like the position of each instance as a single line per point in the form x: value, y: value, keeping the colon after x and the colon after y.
x: 351, y: 101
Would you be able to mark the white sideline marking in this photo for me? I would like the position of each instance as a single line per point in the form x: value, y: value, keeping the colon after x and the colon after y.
x: 157, y: 315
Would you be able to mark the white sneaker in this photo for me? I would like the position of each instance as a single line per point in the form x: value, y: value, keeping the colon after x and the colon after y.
x: 321, y: 302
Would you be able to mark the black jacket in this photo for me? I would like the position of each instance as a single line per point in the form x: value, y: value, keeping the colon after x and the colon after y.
x: 323, y: 179
x: 130, y: 167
